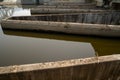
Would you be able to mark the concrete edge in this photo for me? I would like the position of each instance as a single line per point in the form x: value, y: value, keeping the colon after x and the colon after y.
x: 7, y: 20
x: 7, y: 3
x: 70, y: 10
x: 58, y: 64
x: 65, y: 27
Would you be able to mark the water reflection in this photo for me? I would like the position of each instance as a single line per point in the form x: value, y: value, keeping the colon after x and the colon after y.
x: 21, y: 50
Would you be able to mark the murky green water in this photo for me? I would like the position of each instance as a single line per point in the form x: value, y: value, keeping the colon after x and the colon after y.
x: 102, y: 45
x: 15, y: 50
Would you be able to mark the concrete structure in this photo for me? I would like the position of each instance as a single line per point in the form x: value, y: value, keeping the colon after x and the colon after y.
x: 72, y: 28
x: 63, y: 2
x: 48, y: 2
x: 102, y: 24
x: 71, y: 7
x: 65, y: 9
x: 99, y: 3
x: 116, y: 1
x: 94, y: 68
x: 115, y: 4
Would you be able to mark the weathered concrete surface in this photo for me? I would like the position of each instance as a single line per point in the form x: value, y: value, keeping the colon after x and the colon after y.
x: 66, y: 27
x: 72, y: 2
x: 107, y: 18
x: 72, y: 6
x: 94, y: 68
x: 88, y: 22
x: 52, y: 10
x: 45, y: 2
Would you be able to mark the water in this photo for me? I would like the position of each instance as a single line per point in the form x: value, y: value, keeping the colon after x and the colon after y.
x: 1, y: 31
x: 5, y: 13
x: 26, y: 50
x: 103, y: 46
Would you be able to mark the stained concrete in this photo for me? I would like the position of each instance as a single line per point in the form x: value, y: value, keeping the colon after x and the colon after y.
x: 107, y: 18
x: 66, y: 27
x: 48, y: 2
x: 94, y: 68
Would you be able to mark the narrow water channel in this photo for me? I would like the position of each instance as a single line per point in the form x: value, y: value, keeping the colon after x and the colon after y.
x: 26, y: 47
x: 16, y: 50
x: 102, y: 45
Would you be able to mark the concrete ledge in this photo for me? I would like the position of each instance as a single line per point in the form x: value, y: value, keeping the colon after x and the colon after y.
x: 66, y: 27
x: 99, y: 23
x: 94, y: 68
x: 65, y: 9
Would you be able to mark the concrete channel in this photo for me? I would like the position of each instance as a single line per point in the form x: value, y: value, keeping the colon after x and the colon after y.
x: 83, y: 22
x: 97, y: 23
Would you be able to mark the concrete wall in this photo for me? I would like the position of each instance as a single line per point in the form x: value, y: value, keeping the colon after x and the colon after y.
x: 63, y: 2
x: 52, y: 2
x: 65, y: 27
x: 28, y: 2
x: 95, y: 68
x: 116, y: 1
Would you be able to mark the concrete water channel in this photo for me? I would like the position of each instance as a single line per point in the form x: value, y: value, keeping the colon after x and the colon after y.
x: 102, y: 45
x: 99, y: 24
x: 87, y: 55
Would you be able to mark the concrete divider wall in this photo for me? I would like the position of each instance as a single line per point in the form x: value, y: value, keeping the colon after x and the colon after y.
x: 49, y: 2
x: 95, y: 68
x: 28, y: 2
x: 66, y: 27
x: 63, y: 2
